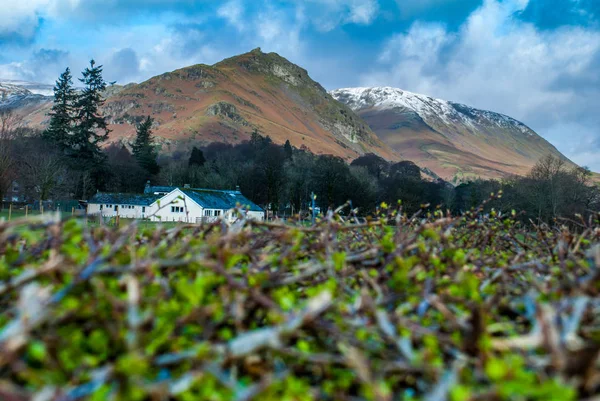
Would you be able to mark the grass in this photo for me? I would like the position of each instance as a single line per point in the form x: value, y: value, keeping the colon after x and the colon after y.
x: 16, y: 213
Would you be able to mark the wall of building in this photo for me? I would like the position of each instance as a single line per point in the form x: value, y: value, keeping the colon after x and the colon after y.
x: 125, y: 211
x: 258, y: 216
x: 172, y: 208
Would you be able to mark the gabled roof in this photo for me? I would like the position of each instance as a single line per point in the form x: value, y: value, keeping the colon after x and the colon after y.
x: 124, y: 199
x: 217, y: 199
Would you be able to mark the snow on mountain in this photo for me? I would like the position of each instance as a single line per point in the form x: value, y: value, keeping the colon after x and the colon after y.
x: 435, y: 112
x: 33, y: 87
x: 15, y: 95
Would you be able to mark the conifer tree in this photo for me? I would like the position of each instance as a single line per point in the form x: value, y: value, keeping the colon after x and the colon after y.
x: 287, y: 149
x: 91, y: 127
x: 196, y: 158
x: 143, y: 147
x: 62, y: 114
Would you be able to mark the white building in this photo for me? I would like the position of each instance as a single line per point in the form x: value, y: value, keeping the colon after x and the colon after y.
x: 192, y: 205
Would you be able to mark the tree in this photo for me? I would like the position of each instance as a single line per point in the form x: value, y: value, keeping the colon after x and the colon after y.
x: 91, y: 126
x: 258, y: 141
x: 330, y: 178
x: 43, y: 175
x: 196, y: 158
x: 375, y: 165
x: 287, y: 149
x: 406, y: 169
x: 405, y: 183
x: 544, y: 188
x: 9, y: 122
x: 62, y: 113
x: 126, y: 174
x: 364, y: 188
x: 143, y: 148
x: 298, y: 175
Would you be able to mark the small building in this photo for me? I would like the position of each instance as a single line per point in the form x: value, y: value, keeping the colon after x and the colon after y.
x: 129, y: 206
x: 184, y: 204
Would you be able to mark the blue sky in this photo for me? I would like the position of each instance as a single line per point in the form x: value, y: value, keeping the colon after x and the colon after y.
x: 535, y: 60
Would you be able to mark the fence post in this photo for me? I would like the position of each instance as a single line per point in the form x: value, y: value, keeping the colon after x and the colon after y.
x: 313, y: 198
x: 9, y: 211
x: 72, y: 211
x: 26, y: 210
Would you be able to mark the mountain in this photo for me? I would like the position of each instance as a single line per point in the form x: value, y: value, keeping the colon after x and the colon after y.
x: 33, y: 87
x: 26, y: 97
x: 227, y: 101
x: 453, y: 140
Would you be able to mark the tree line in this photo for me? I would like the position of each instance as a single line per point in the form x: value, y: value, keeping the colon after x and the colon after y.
x: 69, y: 160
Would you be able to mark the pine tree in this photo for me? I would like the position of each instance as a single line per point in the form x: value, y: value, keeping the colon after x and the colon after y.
x: 287, y: 149
x: 91, y: 128
x: 143, y: 147
x: 62, y: 114
x: 196, y: 158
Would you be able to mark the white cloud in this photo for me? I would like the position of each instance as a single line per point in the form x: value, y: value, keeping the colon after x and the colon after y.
x: 500, y: 63
x: 363, y: 12
x: 43, y: 66
x: 326, y: 15
x: 21, y: 17
x: 233, y: 12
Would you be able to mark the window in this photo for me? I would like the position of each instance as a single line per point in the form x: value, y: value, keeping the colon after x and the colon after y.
x: 101, y: 207
x: 116, y: 207
x: 217, y: 212
x: 143, y: 209
x: 176, y: 209
x: 208, y: 213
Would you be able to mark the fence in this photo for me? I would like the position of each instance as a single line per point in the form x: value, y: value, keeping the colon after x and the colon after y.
x: 9, y: 210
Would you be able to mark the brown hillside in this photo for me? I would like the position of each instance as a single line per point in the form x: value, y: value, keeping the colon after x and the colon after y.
x: 226, y: 102
x: 455, y: 141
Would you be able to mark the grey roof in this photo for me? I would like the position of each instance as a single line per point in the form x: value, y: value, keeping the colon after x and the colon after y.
x: 217, y: 199
x: 158, y: 189
x: 124, y: 199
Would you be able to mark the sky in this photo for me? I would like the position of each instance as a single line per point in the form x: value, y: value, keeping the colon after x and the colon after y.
x: 535, y: 60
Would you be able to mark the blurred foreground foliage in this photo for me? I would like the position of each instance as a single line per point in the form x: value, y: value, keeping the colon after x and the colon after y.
x: 430, y: 307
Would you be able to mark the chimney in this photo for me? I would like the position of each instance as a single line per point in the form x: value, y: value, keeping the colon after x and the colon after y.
x: 186, y: 186
x: 147, y: 187
x: 237, y: 188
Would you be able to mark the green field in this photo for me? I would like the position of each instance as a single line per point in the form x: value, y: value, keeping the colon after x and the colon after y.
x: 435, y: 308
x: 16, y: 213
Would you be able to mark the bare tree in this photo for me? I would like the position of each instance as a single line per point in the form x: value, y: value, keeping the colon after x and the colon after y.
x: 43, y: 174
x: 547, y: 185
x: 9, y: 122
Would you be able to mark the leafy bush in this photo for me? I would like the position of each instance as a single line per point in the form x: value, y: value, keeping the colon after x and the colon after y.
x: 431, y: 307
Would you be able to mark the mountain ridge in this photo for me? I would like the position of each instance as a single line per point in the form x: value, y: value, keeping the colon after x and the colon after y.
x: 264, y: 92
x: 454, y: 140
x: 227, y: 101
